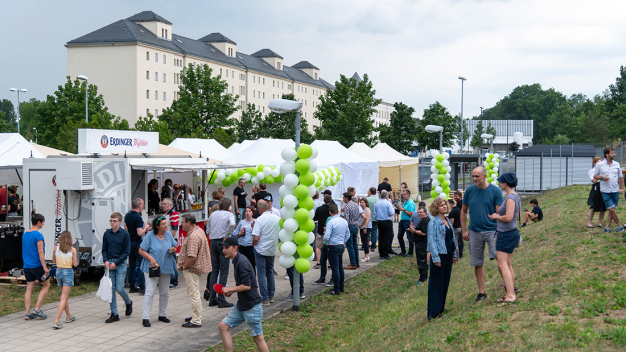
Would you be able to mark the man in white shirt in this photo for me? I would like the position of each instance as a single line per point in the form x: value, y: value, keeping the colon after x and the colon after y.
x: 265, y: 231
x: 609, y: 173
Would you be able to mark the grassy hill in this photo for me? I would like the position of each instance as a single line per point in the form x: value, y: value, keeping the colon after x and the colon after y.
x: 573, y: 297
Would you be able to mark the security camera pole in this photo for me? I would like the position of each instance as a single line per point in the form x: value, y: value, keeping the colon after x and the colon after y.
x: 281, y: 106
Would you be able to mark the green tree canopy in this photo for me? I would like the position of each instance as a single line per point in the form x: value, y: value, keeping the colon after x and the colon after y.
x: 203, y: 102
x: 402, y: 129
x: 28, y: 110
x: 248, y: 126
x: 617, y: 92
x: 9, y: 111
x: 436, y: 114
x: 150, y: 124
x: 345, y: 113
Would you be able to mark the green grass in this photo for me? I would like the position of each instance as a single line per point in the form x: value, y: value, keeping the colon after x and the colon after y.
x: 573, y: 298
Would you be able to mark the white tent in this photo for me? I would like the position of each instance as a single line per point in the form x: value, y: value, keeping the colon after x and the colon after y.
x: 233, y: 146
x: 207, y: 148
x: 262, y: 151
x: 238, y: 147
x: 13, y: 149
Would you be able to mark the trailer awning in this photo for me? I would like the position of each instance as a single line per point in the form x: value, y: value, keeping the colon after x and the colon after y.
x: 178, y: 164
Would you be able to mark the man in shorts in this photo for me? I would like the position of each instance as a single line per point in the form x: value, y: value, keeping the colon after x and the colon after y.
x: 481, y: 199
x: 33, y: 253
x: 609, y: 173
x: 249, y: 307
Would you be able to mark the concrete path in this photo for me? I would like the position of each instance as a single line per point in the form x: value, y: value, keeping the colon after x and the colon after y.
x: 90, y: 333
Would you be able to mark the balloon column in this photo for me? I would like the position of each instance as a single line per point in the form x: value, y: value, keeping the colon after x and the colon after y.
x: 296, y: 214
x: 261, y: 173
x: 327, y: 177
x: 492, y: 165
x: 440, y: 175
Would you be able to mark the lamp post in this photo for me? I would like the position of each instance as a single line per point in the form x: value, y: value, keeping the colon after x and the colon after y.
x: 463, y: 79
x: 35, y: 128
x: 18, y: 104
x: 435, y: 129
x: 490, y: 137
x: 84, y: 78
x: 282, y: 106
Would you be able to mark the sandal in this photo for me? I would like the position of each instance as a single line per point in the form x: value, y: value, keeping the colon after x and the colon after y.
x: 600, y: 225
x: 506, y: 303
x: 30, y: 317
x: 39, y: 313
x: 590, y: 226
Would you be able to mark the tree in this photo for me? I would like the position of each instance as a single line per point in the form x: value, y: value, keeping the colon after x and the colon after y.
x: 27, y: 119
x: 513, y: 147
x: 5, y: 127
x: 617, y: 91
x: 222, y: 137
x: 150, y: 124
x: 203, y: 101
x: 560, y: 139
x: 345, y: 113
x: 402, y: 129
x: 466, y: 132
x: 283, y: 125
x: 9, y: 111
x: 436, y: 114
x: 248, y: 126
x: 61, y: 114
x: 476, y: 142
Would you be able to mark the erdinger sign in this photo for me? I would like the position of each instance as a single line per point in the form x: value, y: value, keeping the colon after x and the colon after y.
x: 112, y: 141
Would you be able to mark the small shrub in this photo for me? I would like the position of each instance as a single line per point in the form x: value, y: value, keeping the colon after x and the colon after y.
x: 554, y: 310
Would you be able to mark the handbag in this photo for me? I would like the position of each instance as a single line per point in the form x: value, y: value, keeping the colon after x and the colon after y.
x: 155, y: 271
x: 105, y: 291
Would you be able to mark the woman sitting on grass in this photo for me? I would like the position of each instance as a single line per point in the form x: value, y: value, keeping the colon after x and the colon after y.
x: 507, y: 234
x: 64, y: 255
x: 442, y: 247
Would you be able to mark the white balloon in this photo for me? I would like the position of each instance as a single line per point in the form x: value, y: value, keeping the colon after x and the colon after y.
x: 311, y: 191
x: 496, y: 164
x: 446, y: 156
x: 495, y: 169
x: 284, y: 191
x: 288, y: 248
x: 311, y: 214
x: 287, y: 168
x: 254, y: 180
x: 341, y: 177
x: 290, y: 225
x: 267, y: 171
x: 486, y: 163
x: 275, y: 173
x: 495, y: 183
x: 446, y: 176
x: 314, y: 154
x: 313, y: 165
x: 311, y: 238
x: 433, y: 176
x: 496, y: 155
x: 260, y: 175
x: 288, y: 154
x: 334, y: 179
x: 246, y: 177
x: 290, y: 201
x: 436, y: 183
x: 221, y: 176
x: 291, y: 180
x: 285, y: 236
x: 312, y: 257
x: 228, y: 172
x: 442, y: 195
x: 438, y: 190
x: 449, y: 168
x: 286, y: 261
x: 287, y: 213
x: 445, y: 163
x: 434, y: 153
x: 433, y: 169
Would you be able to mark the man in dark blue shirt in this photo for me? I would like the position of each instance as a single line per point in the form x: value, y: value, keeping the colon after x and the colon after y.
x: 115, y: 249
x: 535, y: 215
x: 133, y: 223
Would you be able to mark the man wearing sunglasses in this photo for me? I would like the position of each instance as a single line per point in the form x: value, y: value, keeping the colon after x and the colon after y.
x: 115, y: 250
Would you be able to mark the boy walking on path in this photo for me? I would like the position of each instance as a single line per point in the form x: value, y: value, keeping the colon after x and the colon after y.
x: 115, y: 250
x: 33, y: 253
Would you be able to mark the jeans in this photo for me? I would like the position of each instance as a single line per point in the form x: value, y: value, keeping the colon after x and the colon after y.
x: 219, y: 266
x: 174, y: 278
x: 193, y: 291
x: 314, y: 242
x: 403, y: 227
x: 374, y: 234
x: 248, y: 252
x: 365, y: 240
x: 242, y: 212
x: 421, y: 252
x: 459, y: 240
x: 290, y: 274
x: 390, y: 240
x: 385, y: 233
x: 164, y: 294
x: 353, y: 244
x: 335, y: 257
x: 265, y: 272
x: 118, y: 276
x: 323, y: 262
x: 134, y: 259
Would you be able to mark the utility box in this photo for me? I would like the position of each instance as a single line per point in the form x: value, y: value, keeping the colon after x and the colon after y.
x: 75, y: 176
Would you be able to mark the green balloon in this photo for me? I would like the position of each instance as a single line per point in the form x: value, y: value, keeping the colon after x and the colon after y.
x: 443, y: 170
x: 281, y: 221
x: 440, y: 177
x: 489, y: 179
x: 446, y: 190
x: 281, y: 203
x: 260, y: 167
x: 254, y: 171
x: 487, y: 167
x: 445, y: 184
x: 307, y: 179
x: 306, y: 203
x: 491, y: 165
x: 300, y: 237
x: 269, y: 179
x: 433, y: 193
x: 240, y: 172
x: 305, y: 250
x: 439, y: 157
x: 496, y: 161
x: 308, y: 226
x: 302, y: 215
x: 305, y: 151
x: 302, y: 265
x: 438, y: 164
x: 302, y: 166
x: 301, y: 191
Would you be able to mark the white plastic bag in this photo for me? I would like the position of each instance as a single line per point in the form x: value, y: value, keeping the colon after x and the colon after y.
x: 105, y: 291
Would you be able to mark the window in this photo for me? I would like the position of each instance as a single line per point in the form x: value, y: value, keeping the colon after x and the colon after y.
x: 298, y: 89
x: 220, y: 71
x: 264, y: 109
x: 147, y: 74
x: 273, y: 96
x: 273, y: 83
x: 147, y: 112
x: 164, y: 80
x: 315, y: 75
x: 254, y: 94
x: 162, y: 33
x: 305, y: 103
x: 156, y: 76
x: 156, y: 57
x: 278, y: 66
x: 305, y: 89
x: 263, y: 80
x: 156, y: 95
x: 148, y: 94
x: 232, y: 74
x: 164, y: 99
x: 263, y: 95
x: 156, y: 112
x: 166, y: 33
x: 232, y: 90
x: 163, y: 59
x: 283, y: 85
x: 148, y: 55
x: 226, y: 73
x: 289, y: 86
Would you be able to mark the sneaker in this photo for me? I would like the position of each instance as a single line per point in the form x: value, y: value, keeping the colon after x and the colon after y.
x: 606, y: 229
x: 129, y: 309
x: 142, y: 292
x: 523, y: 225
x: 619, y: 229
x: 302, y: 296
x: 480, y: 297
x: 286, y: 277
x: 112, y: 318
x: 266, y: 302
x: 275, y: 273
x: 317, y: 266
x: 133, y: 290
x: 419, y: 282
x: 172, y: 286
x: 289, y: 298
x: 271, y: 299
x: 57, y: 325
x: 70, y: 319
x: 330, y: 283
x: 319, y: 282
x: 332, y: 293
x: 225, y: 305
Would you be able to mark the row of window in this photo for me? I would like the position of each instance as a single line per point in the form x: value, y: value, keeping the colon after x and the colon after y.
x: 177, y: 62
x: 163, y: 33
x: 156, y: 76
x: 156, y: 95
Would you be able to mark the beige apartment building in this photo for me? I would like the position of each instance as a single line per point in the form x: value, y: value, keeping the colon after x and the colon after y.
x: 136, y: 65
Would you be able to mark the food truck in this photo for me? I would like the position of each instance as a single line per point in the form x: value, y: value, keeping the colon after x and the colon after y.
x: 79, y: 193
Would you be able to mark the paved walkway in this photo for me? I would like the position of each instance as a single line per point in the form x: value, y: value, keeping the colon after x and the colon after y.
x: 90, y: 333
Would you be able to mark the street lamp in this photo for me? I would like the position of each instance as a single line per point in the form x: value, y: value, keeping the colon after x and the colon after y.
x: 18, y: 104
x: 282, y: 106
x: 35, y: 128
x: 463, y: 79
x: 435, y: 129
x: 84, y: 78
x: 490, y: 137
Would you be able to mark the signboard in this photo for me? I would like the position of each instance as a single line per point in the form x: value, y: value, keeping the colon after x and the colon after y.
x: 113, y: 141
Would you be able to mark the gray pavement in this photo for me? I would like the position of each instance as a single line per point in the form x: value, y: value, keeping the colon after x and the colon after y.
x: 90, y: 333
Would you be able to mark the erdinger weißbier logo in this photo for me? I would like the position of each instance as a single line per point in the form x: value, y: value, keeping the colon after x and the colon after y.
x: 104, y: 141
x: 135, y: 142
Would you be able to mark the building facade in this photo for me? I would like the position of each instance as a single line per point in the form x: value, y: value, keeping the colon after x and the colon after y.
x: 136, y: 64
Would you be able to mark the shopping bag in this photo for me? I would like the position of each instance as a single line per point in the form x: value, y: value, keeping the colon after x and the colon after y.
x: 105, y: 291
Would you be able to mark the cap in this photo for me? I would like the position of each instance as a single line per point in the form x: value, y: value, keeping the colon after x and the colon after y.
x: 508, y: 177
x: 268, y: 198
x: 327, y: 192
x: 230, y: 241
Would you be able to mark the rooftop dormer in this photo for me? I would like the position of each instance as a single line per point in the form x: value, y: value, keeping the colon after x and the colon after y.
x: 158, y: 25
x: 271, y: 58
x: 225, y: 45
x: 308, y: 68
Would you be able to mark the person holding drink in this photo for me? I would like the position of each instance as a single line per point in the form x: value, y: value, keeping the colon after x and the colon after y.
x: 243, y: 232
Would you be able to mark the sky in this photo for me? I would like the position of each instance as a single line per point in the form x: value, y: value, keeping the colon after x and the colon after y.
x: 413, y: 51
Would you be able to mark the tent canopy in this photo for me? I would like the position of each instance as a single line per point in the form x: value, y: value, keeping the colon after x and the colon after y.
x: 207, y: 148
x: 262, y: 151
x: 388, y: 156
x: 238, y: 147
x: 14, y: 148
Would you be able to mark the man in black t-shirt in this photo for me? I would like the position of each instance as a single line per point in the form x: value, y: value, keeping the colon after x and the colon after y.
x: 239, y: 195
x: 249, y: 302
x: 261, y: 194
x: 384, y: 186
x: 13, y: 201
x: 133, y: 223
x: 322, y: 213
x: 420, y: 239
x: 455, y: 219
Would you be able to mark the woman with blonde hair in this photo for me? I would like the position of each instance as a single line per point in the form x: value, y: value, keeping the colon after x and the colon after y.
x: 595, y: 200
x: 442, y: 248
x: 64, y: 255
